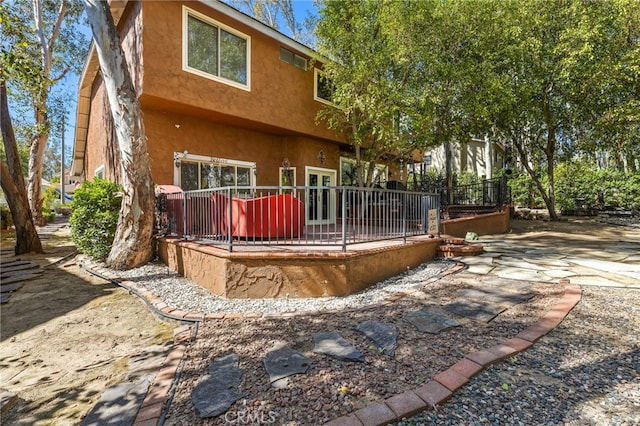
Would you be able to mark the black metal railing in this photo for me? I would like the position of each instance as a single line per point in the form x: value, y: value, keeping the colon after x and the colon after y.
x: 300, y: 215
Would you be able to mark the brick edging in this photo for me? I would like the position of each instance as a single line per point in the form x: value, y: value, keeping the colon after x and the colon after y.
x: 444, y: 384
x: 155, y: 402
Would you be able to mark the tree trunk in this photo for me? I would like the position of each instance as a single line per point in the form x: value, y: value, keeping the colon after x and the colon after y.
x: 132, y: 245
x: 12, y: 180
x: 36, y: 158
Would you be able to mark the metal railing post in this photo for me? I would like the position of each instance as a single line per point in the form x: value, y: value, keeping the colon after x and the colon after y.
x: 404, y: 222
x: 230, y: 221
x: 184, y: 215
x: 344, y: 219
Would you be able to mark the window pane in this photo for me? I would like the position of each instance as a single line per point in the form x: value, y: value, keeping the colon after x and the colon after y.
x: 189, y: 176
x: 300, y: 62
x: 244, y: 176
x: 325, y: 88
x: 228, y: 176
x: 286, y: 55
x: 233, y: 57
x: 348, y: 176
x: 210, y: 176
x: 203, y: 46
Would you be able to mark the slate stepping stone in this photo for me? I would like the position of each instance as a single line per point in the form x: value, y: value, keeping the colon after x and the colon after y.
x: 285, y: 362
x: 8, y: 288
x: 119, y: 404
x: 336, y: 346
x: 4, y: 298
x: 19, y: 278
x: 13, y: 268
x: 148, y: 361
x: 13, y: 262
x: 496, y: 295
x: 17, y: 273
x: 475, y: 310
x: 430, y: 321
x: 218, y: 390
x: 383, y: 335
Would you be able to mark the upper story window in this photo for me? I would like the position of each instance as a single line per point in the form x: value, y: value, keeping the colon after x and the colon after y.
x: 323, y: 87
x: 293, y: 59
x: 213, y: 50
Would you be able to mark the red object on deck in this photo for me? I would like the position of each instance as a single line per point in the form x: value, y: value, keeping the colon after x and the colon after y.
x: 273, y: 216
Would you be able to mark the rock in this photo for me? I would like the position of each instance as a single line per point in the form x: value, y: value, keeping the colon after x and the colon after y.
x: 430, y: 321
x: 478, y: 311
x: 384, y: 335
x: 285, y: 362
x: 215, y: 392
x: 336, y: 346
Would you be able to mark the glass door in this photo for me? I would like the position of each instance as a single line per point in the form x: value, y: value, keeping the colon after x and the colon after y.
x: 321, y: 196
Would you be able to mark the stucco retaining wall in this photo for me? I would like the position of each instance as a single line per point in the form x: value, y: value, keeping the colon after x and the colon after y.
x: 292, y: 274
x: 485, y: 224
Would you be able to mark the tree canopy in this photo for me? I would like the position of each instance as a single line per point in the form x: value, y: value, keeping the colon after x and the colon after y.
x: 546, y: 79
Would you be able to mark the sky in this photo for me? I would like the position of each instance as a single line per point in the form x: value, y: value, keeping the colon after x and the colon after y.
x: 302, y: 9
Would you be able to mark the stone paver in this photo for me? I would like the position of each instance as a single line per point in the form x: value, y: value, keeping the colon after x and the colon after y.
x: 334, y: 345
x: 383, y: 335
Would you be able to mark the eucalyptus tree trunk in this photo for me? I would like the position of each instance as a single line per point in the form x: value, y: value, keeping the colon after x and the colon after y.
x: 40, y: 137
x: 132, y: 243
x: 12, y: 182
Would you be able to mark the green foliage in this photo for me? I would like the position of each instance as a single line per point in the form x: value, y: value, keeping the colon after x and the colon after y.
x: 523, y: 191
x: 599, y: 189
x: 431, y: 181
x: 5, y: 217
x: 96, y: 206
x: 467, y: 178
x: 50, y: 197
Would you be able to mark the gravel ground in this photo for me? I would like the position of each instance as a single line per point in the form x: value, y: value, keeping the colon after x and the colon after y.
x: 183, y: 294
x: 332, y: 388
x: 585, y: 372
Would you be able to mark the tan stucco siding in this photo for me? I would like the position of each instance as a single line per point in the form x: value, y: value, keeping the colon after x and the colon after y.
x: 169, y: 132
x: 280, y: 94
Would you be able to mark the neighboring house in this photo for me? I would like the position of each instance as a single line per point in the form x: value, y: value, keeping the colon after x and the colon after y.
x: 226, y: 100
x: 480, y: 157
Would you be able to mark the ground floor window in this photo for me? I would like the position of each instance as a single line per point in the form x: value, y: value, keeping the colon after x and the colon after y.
x: 198, y: 172
x: 287, y: 178
x: 349, y: 177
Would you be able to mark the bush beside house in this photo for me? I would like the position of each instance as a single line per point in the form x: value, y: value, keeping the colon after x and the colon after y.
x: 96, y: 206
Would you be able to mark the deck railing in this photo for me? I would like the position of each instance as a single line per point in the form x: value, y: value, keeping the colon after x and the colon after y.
x: 300, y: 215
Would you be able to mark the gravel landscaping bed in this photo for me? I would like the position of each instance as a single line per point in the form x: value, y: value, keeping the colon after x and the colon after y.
x: 185, y: 295
x: 585, y: 372
x: 332, y: 388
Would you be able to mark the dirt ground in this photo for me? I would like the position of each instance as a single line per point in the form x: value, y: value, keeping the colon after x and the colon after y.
x: 67, y: 336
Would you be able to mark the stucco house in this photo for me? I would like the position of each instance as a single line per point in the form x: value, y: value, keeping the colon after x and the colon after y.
x: 227, y: 101
x: 481, y: 157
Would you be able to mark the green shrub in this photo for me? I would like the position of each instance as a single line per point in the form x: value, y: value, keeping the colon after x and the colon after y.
x: 523, y: 191
x: 600, y: 189
x: 96, y: 205
x: 6, y: 221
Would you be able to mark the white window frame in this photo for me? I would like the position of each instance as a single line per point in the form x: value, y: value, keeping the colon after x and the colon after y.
x: 99, y: 172
x: 186, y: 12
x: 316, y: 74
x: 210, y: 160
